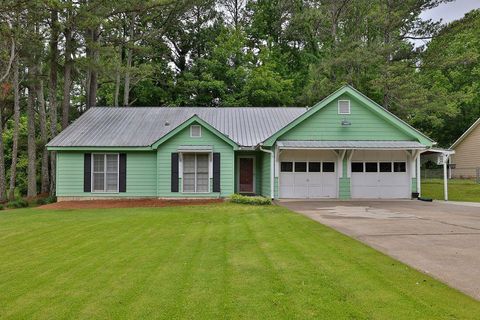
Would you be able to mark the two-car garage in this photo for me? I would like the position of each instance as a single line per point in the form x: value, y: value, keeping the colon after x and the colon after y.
x: 373, y: 174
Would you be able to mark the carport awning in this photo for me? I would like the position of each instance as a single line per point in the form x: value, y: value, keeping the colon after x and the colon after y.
x: 351, y: 144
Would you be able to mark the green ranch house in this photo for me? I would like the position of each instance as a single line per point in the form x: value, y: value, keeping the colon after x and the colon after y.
x: 345, y: 146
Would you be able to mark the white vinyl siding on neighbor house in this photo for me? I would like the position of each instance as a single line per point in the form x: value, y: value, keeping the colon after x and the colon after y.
x: 196, y: 172
x: 105, y: 172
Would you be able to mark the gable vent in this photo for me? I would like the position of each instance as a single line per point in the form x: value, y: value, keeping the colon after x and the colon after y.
x: 343, y: 106
x: 195, y: 131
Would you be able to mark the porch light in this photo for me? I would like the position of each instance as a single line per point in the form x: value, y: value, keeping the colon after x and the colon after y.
x: 346, y: 123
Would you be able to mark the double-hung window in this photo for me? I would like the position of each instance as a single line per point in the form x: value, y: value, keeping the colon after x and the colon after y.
x: 196, y: 172
x: 105, y: 172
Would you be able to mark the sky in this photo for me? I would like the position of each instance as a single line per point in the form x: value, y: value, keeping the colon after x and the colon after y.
x: 451, y: 11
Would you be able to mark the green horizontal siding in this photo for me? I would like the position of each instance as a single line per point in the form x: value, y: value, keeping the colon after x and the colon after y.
x: 414, y: 184
x: 141, y: 173
x: 265, y: 191
x: 183, y: 138
x: 326, y: 125
x: 344, y: 188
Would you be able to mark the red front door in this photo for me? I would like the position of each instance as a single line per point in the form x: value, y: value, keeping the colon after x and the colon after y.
x: 246, y: 175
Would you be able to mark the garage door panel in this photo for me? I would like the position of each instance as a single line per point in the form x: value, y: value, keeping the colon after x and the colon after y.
x: 384, y: 183
x: 310, y: 184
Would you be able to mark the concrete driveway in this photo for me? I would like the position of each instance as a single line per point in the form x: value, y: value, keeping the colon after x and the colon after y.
x: 440, y: 239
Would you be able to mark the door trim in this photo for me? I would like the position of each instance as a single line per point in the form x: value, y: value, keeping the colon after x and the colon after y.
x: 254, y: 173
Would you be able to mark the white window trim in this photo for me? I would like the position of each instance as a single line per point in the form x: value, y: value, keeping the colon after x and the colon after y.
x: 104, y: 173
x: 349, y: 107
x: 254, y: 173
x: 199, y: 131
x: 210, y: 172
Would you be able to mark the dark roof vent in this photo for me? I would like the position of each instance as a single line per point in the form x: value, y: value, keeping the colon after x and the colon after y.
x: 167, y: 123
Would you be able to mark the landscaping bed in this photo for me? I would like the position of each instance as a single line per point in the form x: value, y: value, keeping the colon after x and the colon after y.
x: 126, y: 203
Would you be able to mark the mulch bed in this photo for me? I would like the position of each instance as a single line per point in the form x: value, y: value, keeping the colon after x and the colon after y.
x: 126, y: 203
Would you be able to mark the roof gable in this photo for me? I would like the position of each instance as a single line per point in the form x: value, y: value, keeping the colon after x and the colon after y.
x: 466, y: 134
x: 194, y: 120
x: 382, y: 116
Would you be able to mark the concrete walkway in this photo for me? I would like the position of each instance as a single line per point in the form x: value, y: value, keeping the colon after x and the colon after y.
x: 441, y: 239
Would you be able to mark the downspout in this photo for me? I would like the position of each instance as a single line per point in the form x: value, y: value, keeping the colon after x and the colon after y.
x: 272, y: 171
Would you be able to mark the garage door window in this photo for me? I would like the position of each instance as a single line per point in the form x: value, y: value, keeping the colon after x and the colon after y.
x: 385, y: 167
x: 328, y: 167
x: 357, y: 166
x: 399, y: 167
x: 286, y: 167
x: 371, y: 167
x: 314, y: 166
x: 300, y: 167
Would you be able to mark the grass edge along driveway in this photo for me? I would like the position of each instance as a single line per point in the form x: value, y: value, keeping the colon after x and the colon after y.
x: 204, y: 262
x: 458, y: 189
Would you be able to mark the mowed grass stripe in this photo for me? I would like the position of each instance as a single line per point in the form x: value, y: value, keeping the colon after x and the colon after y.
x: 219, y: 261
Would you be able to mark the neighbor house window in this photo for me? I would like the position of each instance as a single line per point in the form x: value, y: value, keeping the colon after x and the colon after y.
x: 195, y: 172
x: 343, y: 106
x: 105, y: 172
x: 195, y: 131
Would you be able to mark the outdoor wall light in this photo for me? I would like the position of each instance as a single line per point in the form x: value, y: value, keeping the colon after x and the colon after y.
x: 346, y: 123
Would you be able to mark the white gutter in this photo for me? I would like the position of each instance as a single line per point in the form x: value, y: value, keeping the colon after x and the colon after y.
x: 272, y: 171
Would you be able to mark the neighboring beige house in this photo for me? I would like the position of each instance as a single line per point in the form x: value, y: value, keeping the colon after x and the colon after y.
x: 466, y: 160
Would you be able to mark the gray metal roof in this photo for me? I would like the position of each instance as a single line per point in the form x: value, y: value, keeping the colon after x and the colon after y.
x: 356, y: 144
x: 143, y: 126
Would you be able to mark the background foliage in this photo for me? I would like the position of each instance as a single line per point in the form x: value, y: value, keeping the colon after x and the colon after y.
x: 71, y: 55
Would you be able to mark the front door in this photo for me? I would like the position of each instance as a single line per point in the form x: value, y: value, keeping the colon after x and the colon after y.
x: 246, y: 175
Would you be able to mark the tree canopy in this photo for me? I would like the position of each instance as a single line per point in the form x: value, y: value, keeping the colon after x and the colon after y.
x: 60, y: 57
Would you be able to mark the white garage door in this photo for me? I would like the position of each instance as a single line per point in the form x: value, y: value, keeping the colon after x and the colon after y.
x: 380, y: 179
x: 307, y: 175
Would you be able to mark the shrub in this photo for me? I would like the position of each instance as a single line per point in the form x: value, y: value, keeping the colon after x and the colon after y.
x: 257, y: 200
x: 47, y: 200
x: 18, y: 203
x: 2, y: 207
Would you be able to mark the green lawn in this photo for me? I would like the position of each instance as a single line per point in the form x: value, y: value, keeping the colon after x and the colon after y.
x: 458, y: 189
x: 211, y: 262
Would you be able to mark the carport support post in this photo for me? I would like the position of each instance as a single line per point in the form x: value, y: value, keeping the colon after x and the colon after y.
x: 419, y: 182
x: 445, y: 176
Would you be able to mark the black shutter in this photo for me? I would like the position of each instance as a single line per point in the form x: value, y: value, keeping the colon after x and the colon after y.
x: 87, y: 172
x: 122, y: 171
x: 216, y: 172
x: 174, y: 178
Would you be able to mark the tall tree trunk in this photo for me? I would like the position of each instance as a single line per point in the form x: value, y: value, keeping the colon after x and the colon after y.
x: 3, y: 181
x: 93, y: 68
x: 31, y: 145
x: 16, y: 125
x: 67, y: 77
x: 45, y: 183
x: 126, y: 88
x: 117, y: 79
x: 52, y: 94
